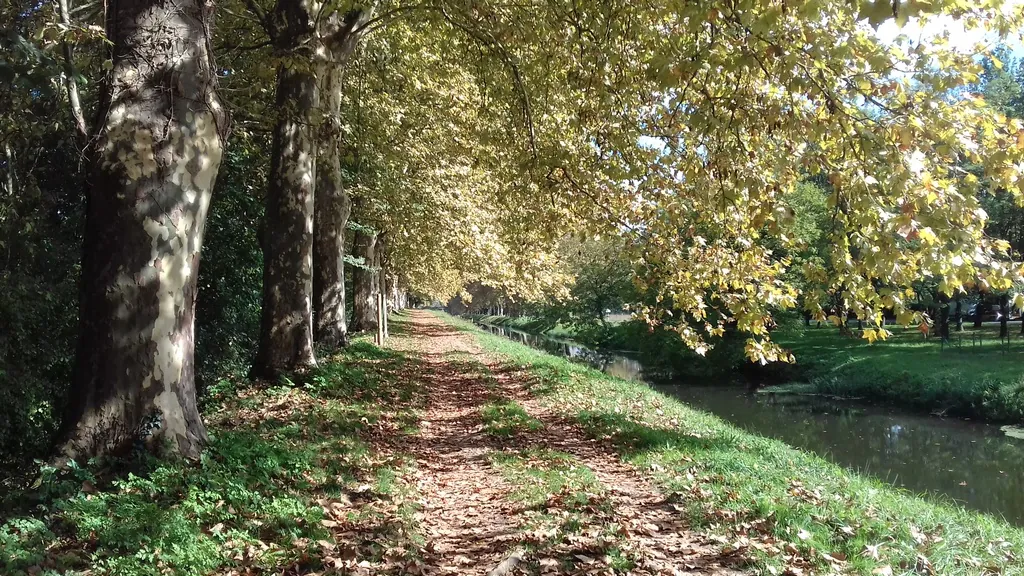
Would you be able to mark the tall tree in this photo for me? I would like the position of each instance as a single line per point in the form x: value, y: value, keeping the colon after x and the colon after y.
x: 364, y: 297
x: 286, y: 327
x: 332, y: 209
x: 155, y: 157
x: 286, y: 332
x: 332, y: 204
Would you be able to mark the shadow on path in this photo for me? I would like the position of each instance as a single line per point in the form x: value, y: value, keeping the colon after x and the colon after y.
x: 472, y: 517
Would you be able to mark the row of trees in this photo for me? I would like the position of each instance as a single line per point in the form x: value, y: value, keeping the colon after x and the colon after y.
x: 339, y: 132
x: 466, y: 139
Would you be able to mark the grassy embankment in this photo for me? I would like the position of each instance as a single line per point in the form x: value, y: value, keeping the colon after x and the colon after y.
x: 975, y: 376
x: 530, y: 324
x: 661, y: 351
x: 286, y: 467
x: 763, y: 496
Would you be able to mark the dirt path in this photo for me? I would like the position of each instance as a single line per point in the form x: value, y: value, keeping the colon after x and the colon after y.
x: 470, y: 520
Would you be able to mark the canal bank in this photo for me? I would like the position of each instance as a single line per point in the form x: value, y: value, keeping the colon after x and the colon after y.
x: 751, y: 489
x: 971, y: 463
x: 975, y: 375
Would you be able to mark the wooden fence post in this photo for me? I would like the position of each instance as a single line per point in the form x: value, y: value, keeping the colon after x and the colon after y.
x: 380, y: 321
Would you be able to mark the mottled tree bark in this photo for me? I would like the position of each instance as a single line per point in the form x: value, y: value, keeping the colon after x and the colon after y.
x: 364, y: 305
x: 392, y: 291
x: 286, y: 331
x: 333, y: 207
x: 286, y: 326
x: 156, y: 154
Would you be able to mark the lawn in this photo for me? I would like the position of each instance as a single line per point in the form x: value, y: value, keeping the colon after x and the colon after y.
x: 975, y: 375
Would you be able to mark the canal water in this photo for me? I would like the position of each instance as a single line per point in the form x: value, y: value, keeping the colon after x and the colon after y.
x: 972, y: 463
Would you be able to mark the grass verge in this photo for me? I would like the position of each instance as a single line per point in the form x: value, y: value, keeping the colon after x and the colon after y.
x: 288, y: 467
x: 505, y: 418
x: 975, y: 375
x: 570, y: 522
x: 787, y: 509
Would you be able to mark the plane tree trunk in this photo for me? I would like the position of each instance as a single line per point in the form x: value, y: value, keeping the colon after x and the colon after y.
x: 155, y: 155
x: 286, y: 325
x: 364, y: 305
x: 333, y: 207
x: 1004, y: 316
x: 332, y: 203
x: 959, y: 314
x: 944, y: 317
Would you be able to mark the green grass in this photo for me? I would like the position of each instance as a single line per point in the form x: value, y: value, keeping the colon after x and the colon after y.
x: 568, y: 514
x: 974, y: 376
x: 983, y: 381
x: 780, y: 505
x: 548, y: 479
x: 283, y: 465
x: 506, y: 418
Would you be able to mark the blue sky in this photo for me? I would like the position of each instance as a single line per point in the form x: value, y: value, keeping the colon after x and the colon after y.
x: 960, y: 38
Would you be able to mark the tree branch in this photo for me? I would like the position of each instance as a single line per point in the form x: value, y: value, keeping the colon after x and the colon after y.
x: 70, y: 83
x: 390, y: 14
x: 342, y: 41
x: 261, y: 15
x: 506, y: 58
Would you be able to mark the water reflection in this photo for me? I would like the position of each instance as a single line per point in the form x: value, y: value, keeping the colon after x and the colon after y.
x: 970, y: 462
x: 973, y: 463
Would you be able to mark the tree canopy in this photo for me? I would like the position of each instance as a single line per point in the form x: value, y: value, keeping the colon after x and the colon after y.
x: 742, y: 102
x: 737, y: 159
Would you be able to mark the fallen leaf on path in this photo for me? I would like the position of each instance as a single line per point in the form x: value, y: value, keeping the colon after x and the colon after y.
x: 834, y: 557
